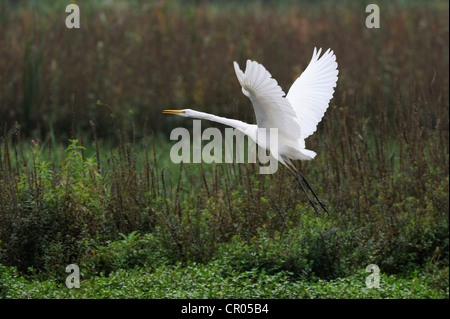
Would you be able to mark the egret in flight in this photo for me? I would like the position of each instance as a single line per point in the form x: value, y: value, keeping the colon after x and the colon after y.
x: 295, y: 115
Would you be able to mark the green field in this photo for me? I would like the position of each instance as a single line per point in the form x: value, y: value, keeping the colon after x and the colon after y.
x: 86, y: 176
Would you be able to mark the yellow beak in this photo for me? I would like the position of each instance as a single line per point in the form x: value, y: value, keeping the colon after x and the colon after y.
x: 173, y: 112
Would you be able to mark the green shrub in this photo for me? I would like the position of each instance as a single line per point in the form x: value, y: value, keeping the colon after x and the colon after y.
x: 217, y: 280
x: 134, y: 250
x: 52, y: 212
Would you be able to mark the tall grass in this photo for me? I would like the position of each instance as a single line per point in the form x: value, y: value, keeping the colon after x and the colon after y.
x: 382, y: 164
x: 142, y: 57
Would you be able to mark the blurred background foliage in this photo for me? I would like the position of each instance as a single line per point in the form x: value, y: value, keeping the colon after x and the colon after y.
x: 139, y: 57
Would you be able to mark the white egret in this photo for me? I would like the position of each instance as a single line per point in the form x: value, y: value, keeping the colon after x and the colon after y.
x: 295, y: 115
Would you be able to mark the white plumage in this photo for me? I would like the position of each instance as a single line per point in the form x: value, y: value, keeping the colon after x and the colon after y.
x: 295, y: 115
x: 312, y: 91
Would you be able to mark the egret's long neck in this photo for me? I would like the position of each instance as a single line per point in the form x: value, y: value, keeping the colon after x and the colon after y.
x: 242, y: 126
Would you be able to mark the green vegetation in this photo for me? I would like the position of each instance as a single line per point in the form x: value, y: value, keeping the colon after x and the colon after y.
x: 218, y: 280
x: 86, y: 178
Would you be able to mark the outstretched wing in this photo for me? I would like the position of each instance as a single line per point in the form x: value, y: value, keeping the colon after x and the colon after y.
x: 272, y: 109
x: 313, y: 90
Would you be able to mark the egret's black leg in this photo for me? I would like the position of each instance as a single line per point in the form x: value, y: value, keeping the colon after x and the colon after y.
x: 318, y: 200
x: 304, y: 190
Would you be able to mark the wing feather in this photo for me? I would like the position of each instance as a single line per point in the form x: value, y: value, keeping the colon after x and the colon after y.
x: 271, y: 108
x: 312, y: 91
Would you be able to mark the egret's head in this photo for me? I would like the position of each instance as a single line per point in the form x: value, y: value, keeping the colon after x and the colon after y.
x: 183, y: 112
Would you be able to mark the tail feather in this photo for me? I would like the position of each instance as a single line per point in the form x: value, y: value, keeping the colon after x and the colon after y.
x: 307, y: 155
x: 301, y: 154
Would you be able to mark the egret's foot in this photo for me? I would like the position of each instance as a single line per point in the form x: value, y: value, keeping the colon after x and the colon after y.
x: 313, y: 204
x: 324, y: 207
